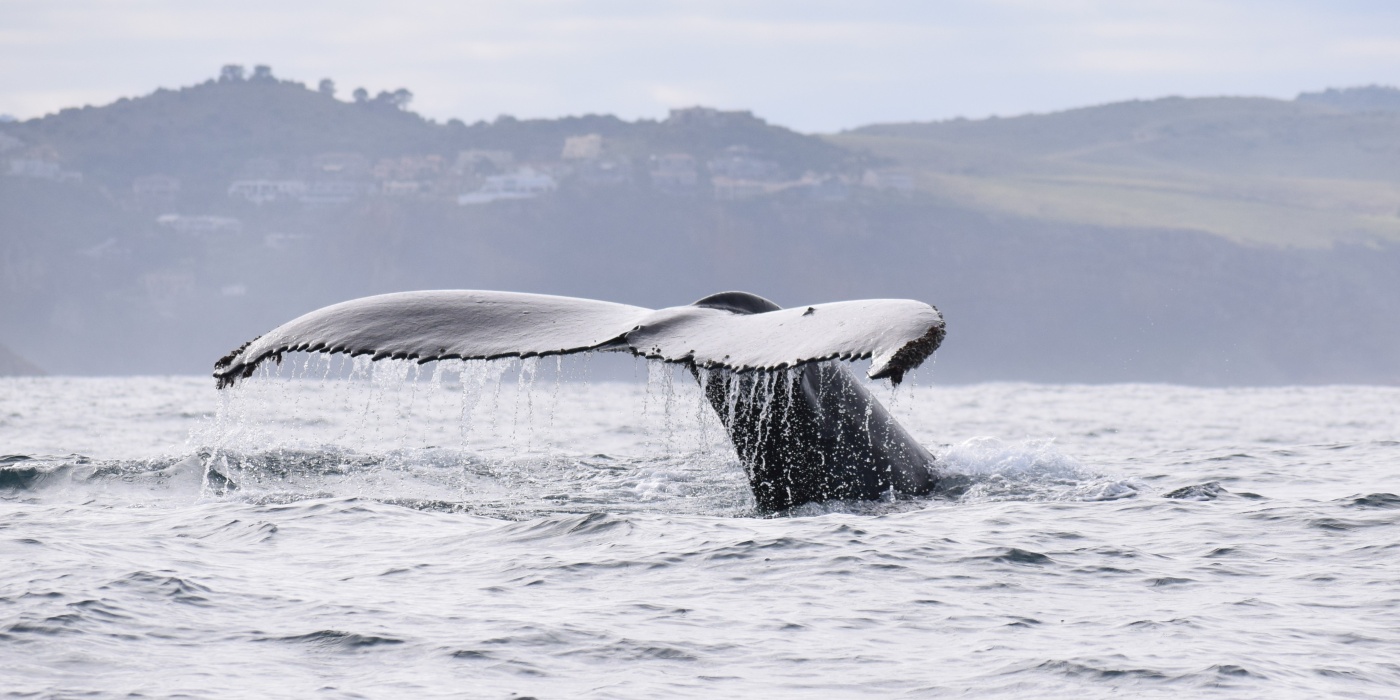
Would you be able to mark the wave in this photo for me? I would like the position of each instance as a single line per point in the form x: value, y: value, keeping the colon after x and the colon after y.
x: 513, y: 484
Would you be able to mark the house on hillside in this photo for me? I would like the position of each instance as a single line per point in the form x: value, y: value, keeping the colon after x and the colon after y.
x: 737, y: 173
x: 522, y: 184
x: 34, y: 167
x: 265, y: 191
x: 41, y: 169
x: 740, y: 163
x: 332, y: 192
x: 409, y: 175
x: 200, y: 225
x: 340, y: 165
x: 582, y: 147
x: 558, y: 170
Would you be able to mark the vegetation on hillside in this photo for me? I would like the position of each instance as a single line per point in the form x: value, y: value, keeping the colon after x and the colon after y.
x: 1307, y: 172
x: 206, y: 134
x: 1077, y: 246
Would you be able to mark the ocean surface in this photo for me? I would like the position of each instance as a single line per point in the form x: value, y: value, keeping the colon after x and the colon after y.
x: 497, y: 531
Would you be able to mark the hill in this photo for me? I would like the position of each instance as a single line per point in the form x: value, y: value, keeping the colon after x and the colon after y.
x: 212, y: 133
x: 1214, y: 241
x: 1308, y: 172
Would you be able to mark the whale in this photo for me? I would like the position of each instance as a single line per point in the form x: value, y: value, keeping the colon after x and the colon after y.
x: 804, y: 428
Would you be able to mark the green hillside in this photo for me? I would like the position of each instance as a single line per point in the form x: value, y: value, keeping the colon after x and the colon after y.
x: 207, y: 133
x: 1216, y: 241
x: 1295, y: 173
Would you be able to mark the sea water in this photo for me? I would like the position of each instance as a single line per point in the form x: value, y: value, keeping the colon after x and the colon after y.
x: 492, y: 530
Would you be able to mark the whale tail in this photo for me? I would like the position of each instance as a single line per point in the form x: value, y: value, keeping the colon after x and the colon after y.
x: 732, y: 330
x: 816, y: 435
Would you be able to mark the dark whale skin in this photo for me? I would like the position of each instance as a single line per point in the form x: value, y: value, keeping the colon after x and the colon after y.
x: 813, y: 433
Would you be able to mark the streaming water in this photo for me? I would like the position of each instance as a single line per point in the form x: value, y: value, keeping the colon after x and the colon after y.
x: 340, y: 528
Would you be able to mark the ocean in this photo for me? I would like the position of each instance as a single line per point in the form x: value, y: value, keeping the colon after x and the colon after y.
x: 511, y: 530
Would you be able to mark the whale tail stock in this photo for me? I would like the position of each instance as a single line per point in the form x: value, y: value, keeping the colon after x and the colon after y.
x: 836, y: 441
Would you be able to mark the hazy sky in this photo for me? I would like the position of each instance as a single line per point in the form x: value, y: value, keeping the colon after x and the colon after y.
x: 809, y: 64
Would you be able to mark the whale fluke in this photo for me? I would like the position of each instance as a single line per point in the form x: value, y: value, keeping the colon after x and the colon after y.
x: 898, y: 334
x: 802, y: 425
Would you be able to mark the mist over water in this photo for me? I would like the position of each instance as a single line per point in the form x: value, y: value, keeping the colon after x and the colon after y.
x: 532, y: 529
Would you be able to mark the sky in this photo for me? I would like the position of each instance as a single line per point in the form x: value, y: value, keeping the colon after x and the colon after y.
x: 812, y: 65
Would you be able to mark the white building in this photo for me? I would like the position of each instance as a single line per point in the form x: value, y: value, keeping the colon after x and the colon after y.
x: 582, y: 147
x: 42, y: 169
x: 262, y: 191
x: 333, y: 191
x: 200, y: 225
x: 340, y: 165
x: 738, y: 163
x: 400, y: 188
x: 522, y: 184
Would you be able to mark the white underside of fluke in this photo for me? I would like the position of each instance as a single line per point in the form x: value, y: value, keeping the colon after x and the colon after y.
x: 897, y: 334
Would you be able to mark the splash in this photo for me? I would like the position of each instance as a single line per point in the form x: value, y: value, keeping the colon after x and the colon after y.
x: 500, y: 436
x: 988, y: 469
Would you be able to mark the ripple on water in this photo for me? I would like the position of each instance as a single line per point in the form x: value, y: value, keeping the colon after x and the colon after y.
x: 1015, y: 555
x: 1098, y: 670
x: 335, y: 640
x: 1375, y: 500
x: 1208, y: 491
x: 600, y: 557
x: 161, y: 586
